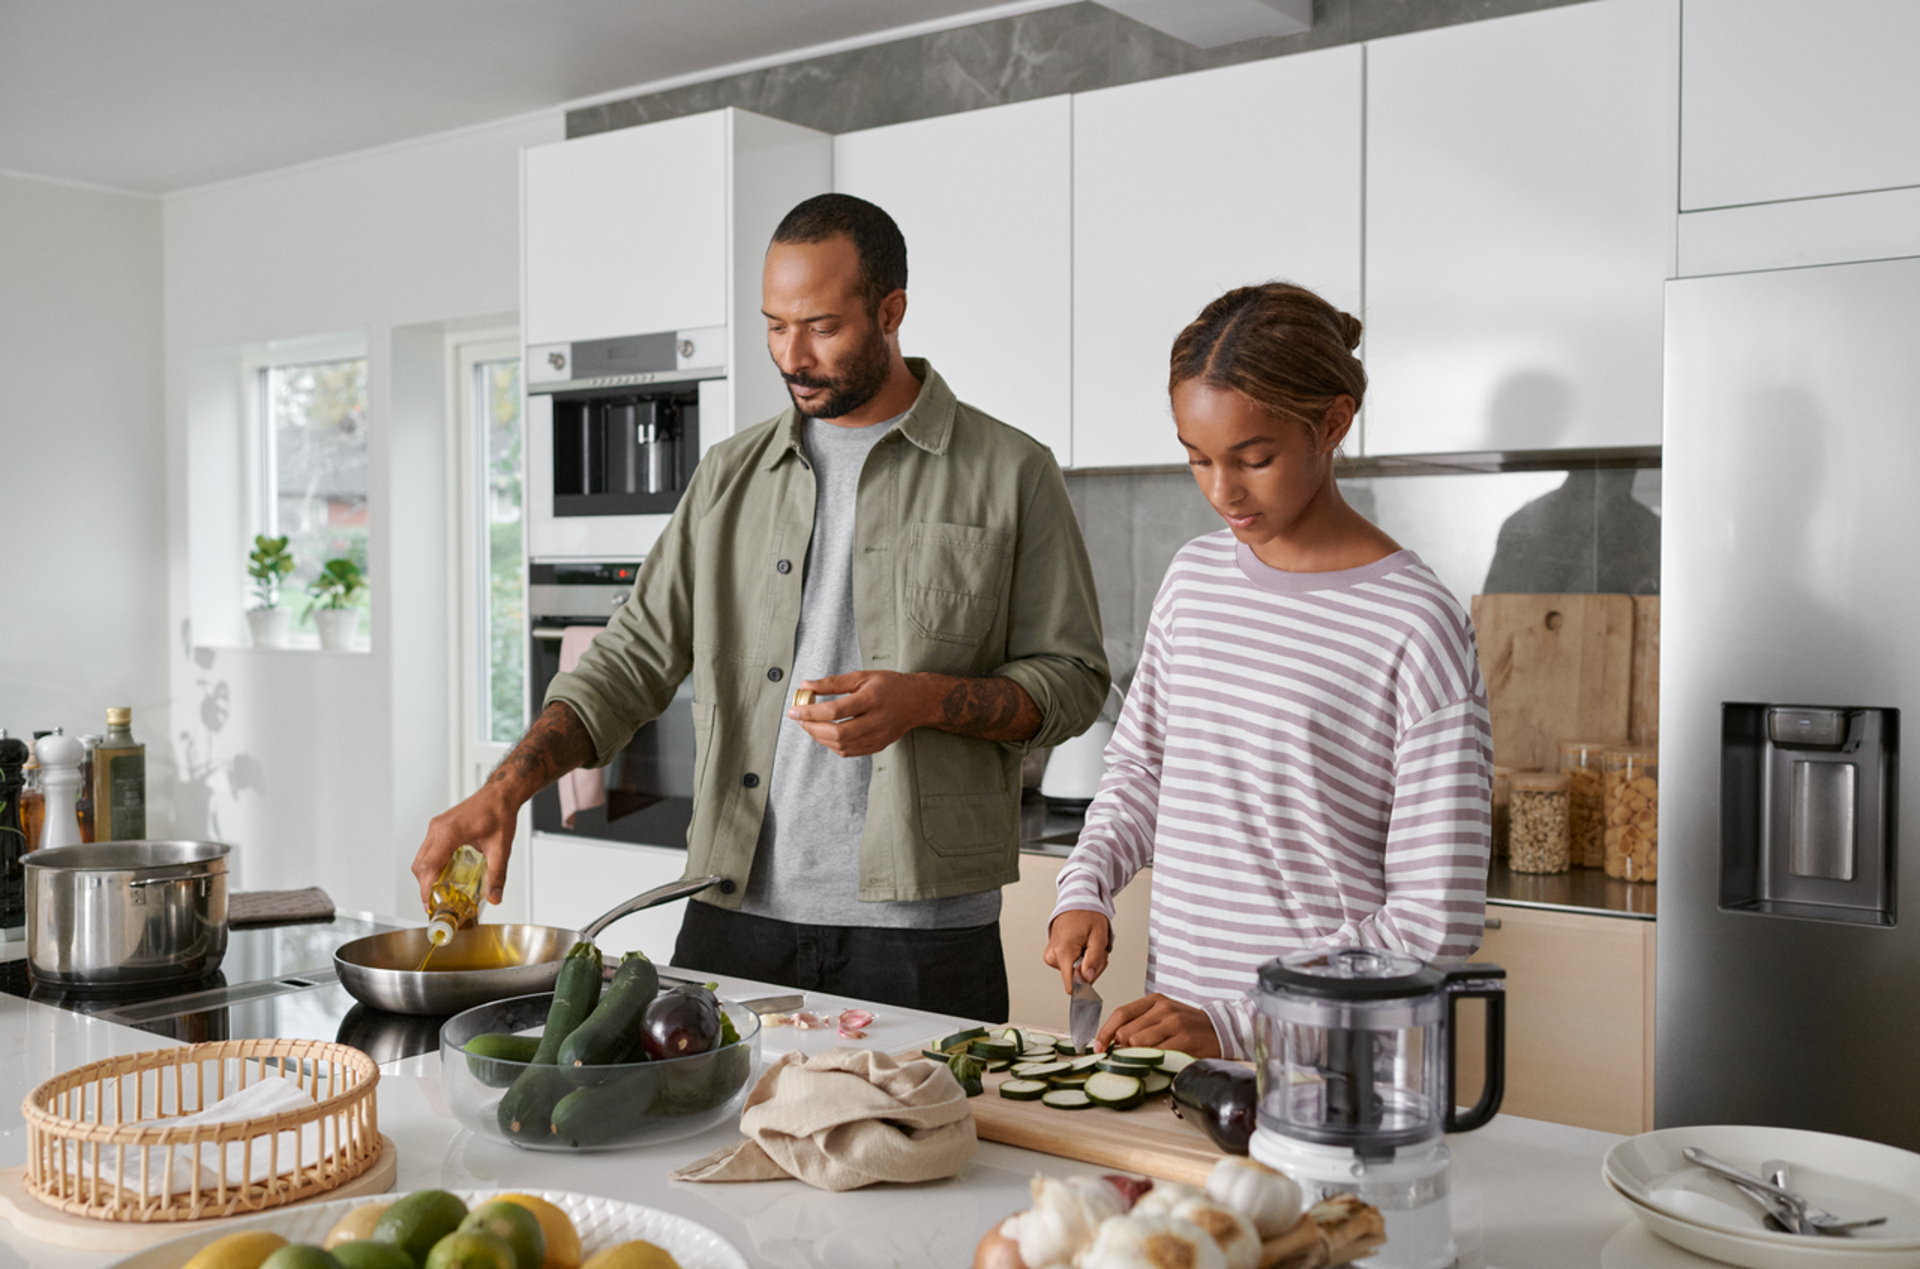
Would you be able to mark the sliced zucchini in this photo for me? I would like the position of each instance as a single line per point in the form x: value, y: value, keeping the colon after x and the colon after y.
x: 1013, y: 1036
x: 1066, y: 1099
x: 1039, y: 1070
x: 1001, y: 1064
x: 1173, y: 1061
x: 992, y: 1050
x: 1032, y: 1052
x: 1157, y: 1083
x: 1023, y: 1090
x: 1069, y: 1079
x: 1146, y: 1057
x: 1120, y: 1092
x: 963, y: 1037
x: 1064, y: 1045
x: 1120, y: 1066
x: 1086, y: 1065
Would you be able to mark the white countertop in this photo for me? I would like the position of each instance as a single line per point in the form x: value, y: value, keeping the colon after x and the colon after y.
x: 1528, y: 1195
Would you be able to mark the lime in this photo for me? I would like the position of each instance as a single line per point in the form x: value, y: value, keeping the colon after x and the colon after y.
x: 563, y: 1240
x: 418, y: 1221
x: 471, y: 1249
x: 371, y: 1253
x: 520, y: 1227
x: 300, y: 1256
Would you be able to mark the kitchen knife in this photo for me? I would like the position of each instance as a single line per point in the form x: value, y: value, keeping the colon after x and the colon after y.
x: 1083, y: 1012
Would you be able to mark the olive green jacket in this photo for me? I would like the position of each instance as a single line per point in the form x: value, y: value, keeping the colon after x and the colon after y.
x: 970, y: 563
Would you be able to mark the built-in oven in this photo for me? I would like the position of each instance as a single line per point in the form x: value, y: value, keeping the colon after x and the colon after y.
x: 649, y: 782
x: 614, y: 430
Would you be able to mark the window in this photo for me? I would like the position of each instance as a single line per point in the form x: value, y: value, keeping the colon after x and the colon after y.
x: 311, y: 448
x: 490, y: 527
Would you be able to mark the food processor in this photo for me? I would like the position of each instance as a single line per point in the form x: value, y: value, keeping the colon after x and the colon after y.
x: 1355, y: 1076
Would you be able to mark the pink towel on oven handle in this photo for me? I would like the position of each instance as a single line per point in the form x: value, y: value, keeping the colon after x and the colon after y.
x: 586, y: 788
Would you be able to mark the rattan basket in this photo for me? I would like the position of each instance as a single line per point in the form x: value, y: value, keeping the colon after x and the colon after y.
x: 99, y: 1144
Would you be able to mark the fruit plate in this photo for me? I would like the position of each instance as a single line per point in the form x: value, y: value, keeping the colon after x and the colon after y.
x: 601, y: 1222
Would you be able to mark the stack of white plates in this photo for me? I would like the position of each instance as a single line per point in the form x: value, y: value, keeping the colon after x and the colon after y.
x: 1692, y: 1208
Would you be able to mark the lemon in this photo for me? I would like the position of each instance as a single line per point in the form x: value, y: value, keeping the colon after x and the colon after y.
x: 418, y: 1221
x: 355, y: 1225
x: 471, y: 1249
x: 563, y: 1241
x: 633, y: 1255
x: 244, y: 1250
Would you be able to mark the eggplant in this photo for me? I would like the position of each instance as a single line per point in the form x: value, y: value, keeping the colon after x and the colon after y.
x: 1221, y: 1097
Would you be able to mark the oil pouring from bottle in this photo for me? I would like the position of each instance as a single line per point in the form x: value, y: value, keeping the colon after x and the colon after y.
x: 457, y: 898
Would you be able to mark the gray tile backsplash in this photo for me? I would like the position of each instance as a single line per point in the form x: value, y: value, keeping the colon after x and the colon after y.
x: 1556, y: 532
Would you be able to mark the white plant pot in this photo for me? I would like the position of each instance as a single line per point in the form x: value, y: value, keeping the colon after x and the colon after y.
x: 337, y: 627
x: 268, y: 627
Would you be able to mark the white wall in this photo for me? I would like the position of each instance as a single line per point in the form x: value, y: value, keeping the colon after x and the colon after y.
x: 310, y: 762
x: 83, y: 570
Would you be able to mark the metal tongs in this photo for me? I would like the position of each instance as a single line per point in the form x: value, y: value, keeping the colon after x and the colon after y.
x: 1791, y: 1210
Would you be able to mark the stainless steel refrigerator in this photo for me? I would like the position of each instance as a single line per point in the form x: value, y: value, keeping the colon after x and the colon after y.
x: 1789, y: 937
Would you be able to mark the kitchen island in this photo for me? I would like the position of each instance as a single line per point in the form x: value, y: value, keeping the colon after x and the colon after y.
x: 1527, y: 1193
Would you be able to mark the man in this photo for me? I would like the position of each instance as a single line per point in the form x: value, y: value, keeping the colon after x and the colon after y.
x: 905, y: 556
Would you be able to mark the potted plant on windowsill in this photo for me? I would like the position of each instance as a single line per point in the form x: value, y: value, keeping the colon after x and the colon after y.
x: 267, y: 565
x: 338, y: 585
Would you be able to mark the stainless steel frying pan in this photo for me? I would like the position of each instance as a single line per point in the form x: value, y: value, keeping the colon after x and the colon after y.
x: 476, y: 966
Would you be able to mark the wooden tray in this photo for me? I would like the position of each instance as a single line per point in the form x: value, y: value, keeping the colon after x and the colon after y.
x: 1150, y: 1139
x: 49, y: 1224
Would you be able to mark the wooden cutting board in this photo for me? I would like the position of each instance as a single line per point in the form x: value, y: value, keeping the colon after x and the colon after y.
x: 1558, y: 667
x: 51, y: 1225
x: 1149, y: 1139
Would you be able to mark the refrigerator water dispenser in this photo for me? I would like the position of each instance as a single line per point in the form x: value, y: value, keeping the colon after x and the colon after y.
x: 1807, y: 811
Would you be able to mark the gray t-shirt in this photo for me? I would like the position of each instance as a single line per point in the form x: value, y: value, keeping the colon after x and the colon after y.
x: 806, y: 866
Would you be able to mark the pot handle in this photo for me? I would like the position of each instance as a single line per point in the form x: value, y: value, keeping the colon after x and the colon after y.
x: 1488, y: 982
x: 653, y: 898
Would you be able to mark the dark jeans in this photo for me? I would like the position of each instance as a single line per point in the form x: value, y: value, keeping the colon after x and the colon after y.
x: 959, y: 972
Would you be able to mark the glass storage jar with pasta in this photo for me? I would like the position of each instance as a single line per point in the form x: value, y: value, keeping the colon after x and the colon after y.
x: 1581, y: 759
x: 1632, y: 788
x: 1537, y: 833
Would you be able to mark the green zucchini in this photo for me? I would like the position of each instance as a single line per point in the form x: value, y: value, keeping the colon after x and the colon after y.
x: 528, y: 1105
x: 606, y: 1111
x: 1118, y: 1092
x: 495, y: 1058
x: 1145, y: 1057
x: 1066, y: 1099
x: 1157, y: 1083
x: 963, y: 1037
x: 611, y: 1035
x: 1023, y: 1090
x: 992, y: 1050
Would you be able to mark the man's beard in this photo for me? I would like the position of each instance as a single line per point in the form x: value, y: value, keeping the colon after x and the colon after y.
x: 858, y: 383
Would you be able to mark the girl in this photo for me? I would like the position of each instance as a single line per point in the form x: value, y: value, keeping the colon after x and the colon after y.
x: 1304, y: 755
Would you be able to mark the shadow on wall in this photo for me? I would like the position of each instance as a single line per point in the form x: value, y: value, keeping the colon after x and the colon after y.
x: 1589, y: 536
x: 197, y: 759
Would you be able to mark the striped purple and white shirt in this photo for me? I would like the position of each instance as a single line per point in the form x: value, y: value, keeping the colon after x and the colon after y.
x: 1304, y: 761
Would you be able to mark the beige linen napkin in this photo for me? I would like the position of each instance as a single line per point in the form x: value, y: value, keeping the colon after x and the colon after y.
x: 846, y: 1118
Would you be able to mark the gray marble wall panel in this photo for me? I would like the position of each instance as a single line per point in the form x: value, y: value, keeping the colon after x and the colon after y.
x: 1073, y: 48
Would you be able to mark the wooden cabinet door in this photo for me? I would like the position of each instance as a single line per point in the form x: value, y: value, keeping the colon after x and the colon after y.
x: 1579, y: 1019
x: 1184, y: 188
x: 1781, y: 107
x: 626, y: 232
x: 985, y: 201
x: 1520, y: 225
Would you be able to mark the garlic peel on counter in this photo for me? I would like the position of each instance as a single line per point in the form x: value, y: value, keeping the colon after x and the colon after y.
x: 1153, y: 1242
x: 1270, y: 1198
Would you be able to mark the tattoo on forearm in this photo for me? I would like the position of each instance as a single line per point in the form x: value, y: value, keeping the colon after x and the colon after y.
x: 989, y: 709
x: 556, y: 744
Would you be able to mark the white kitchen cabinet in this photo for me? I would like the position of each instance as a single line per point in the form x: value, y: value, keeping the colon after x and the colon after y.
x: 663, y: 228
x: 1186, y: 187
x: 571, y: 882
x: 985, y: 201
x: 1520, y: 227
x: 1786, y: 100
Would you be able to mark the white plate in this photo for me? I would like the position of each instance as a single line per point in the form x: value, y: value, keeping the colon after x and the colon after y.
x: 1845, y: 1175
x: 1773, y: 1251
x: 602, y: 1223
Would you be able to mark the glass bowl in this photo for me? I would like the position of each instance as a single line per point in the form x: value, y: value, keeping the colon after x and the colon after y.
x: 611, y: 1107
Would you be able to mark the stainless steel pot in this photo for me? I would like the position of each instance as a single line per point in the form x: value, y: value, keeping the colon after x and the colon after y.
x: 476, y: 966
x: 112, y: 914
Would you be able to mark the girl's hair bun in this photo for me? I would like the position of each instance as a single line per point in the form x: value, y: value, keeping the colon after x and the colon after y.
x: 1350, y: 330
x: 1278, y: 345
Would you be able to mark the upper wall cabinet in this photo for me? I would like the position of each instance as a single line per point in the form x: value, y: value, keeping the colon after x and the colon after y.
x: 1184, y: 188
x: 985, y: 201
x: 1520, y: 222
x: 1786, y: 100
x: 662, y: 228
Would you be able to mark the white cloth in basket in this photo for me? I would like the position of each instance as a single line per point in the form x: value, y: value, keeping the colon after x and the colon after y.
x: 271, y: 1095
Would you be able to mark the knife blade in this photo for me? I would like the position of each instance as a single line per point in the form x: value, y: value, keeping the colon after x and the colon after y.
x: 1083, y: 1013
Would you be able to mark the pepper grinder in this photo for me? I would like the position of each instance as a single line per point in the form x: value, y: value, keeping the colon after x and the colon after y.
x: 60, y: 756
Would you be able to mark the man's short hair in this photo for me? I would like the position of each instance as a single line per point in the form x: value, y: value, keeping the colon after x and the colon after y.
x: 876, y: 239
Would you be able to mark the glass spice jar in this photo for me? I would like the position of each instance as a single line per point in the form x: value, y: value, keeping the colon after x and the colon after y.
x: 1502, y: 799
x: 1632, y: 784
x: 1537, y: 835
x: 1586, y: 837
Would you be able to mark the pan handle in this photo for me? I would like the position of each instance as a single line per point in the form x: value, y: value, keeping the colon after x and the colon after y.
x: 653, y: 898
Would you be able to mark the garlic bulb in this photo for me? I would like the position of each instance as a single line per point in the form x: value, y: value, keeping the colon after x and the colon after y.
x: 1063, y: 1219
x: 1165, y: 1196
x: 1232, y: 1232
x: 1267, y: 1197
x: 1153, y: 1242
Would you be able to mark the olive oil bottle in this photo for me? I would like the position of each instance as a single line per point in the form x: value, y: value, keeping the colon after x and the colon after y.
x: 119, y: 781
x: 458, y: 895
